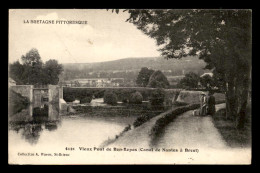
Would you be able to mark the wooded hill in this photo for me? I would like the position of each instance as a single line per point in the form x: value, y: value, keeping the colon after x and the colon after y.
x: 160, y: 63
x: 129, y: 67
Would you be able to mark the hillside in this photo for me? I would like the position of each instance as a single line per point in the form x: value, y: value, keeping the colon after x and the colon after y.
x: 129, y: 68
x: 160, y: 63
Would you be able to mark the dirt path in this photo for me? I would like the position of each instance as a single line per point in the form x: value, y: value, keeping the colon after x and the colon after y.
x: 186, y: 130
x: 192, y: 131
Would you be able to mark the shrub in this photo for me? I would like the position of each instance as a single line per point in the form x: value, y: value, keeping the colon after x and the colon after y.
x: 127, y: 128
x: 99, y: 93
x: 69, y: 98
x: 136, y: 98
x: 157, y: 97
x: 140, y: 120
x: 125, y: 100
x: 85, y: 96
x: 87, y: 99
x: 123, y: 95
x: 110, y: 98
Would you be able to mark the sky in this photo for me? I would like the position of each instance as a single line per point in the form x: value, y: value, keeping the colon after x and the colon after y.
x: 105, y: 37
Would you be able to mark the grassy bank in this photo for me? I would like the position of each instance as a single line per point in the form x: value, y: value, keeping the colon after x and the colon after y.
x: 110, y: 141
x: 232, y: 136
x: 158, y: 129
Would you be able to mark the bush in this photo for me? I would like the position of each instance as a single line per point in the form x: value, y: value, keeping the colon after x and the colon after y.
x: 123, y: 95
x: 85, y: 96
x: 127, y: 128
x: 99, y: 93
x: 110, y: 98
x: 140, y: 120
x: 69, y: 98
x: 87, y: 99
x: 157, y: 97
x: 136, y: 98
x: 125, y: 100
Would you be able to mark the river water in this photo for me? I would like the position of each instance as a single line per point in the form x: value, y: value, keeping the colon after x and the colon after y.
x: 27, y: 130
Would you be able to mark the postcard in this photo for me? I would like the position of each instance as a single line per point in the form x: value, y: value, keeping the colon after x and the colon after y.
x: 129, y: 86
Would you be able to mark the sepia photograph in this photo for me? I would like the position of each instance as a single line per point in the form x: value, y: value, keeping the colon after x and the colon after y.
x: 129, y: 86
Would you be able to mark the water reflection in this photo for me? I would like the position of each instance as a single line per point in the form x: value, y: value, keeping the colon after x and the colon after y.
x: 31, y: 122
x: 42, y: 124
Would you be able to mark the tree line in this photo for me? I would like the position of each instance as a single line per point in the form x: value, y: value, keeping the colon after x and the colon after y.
x: 32, y: 71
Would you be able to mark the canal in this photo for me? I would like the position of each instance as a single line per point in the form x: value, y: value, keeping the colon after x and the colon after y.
x: 43, y: 126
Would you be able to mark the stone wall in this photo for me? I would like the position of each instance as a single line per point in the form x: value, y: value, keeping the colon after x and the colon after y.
x: 53, y: 112
x: 54, y: 93
x: 63, y: 106
x: 24, y: 90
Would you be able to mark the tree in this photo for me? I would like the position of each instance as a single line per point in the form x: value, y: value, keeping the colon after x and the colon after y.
x: 158, y: 80
x: 144, y: 76
x: 32, y: 58
x: 110, y: 98
x: 52, y: 70
x: 190, y: 80
x: 157, y: 97
x: 33, y: 71
x: 136, y: 98
x: 222, y: 38
x: 32, y: 67
x: 207, y: 82
x: 16, y: 71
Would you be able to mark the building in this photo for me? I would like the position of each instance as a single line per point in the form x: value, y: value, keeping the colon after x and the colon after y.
x: 94, y: 82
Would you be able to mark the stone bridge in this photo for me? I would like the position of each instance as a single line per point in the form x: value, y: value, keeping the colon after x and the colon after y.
x: 37, y: 96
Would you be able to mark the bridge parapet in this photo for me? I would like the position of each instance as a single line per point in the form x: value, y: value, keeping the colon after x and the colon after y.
x: 55, y: 92
x: 54, y: 95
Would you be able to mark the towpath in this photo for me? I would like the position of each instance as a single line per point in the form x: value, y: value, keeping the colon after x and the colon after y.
x: 185, y: 131
x: 188, y: 131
